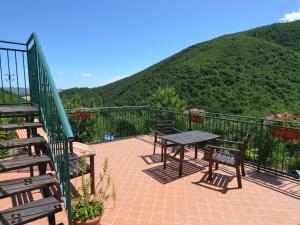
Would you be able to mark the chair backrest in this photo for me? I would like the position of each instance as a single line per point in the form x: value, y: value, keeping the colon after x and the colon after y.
x: 246, y: 141
x: 165, y: 126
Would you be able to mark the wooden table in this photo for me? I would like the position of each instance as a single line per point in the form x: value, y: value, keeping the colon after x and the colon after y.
x: 182, y: 139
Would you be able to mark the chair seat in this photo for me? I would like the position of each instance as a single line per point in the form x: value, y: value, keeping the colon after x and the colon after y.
x: 223, y: 158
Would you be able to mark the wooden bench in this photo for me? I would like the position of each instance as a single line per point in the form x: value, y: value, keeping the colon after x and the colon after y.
x: 77, y: 152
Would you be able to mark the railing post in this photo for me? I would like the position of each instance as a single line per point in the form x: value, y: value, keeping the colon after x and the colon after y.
x: 260, y: 144
x: 190, y: 121
x: 148, y: 119
x: 67, y: 181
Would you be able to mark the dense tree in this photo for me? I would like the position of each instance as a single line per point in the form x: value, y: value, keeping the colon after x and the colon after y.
x: 167, y: 97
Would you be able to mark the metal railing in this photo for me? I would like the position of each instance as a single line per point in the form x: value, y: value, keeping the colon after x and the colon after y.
x: 272, y: 148
x: 14, y: 83
x: 108, y: 123
x: 45, y: 96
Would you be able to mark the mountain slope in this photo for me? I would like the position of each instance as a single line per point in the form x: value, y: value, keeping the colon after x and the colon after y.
x: 254, y: 72
x: 285, y: 34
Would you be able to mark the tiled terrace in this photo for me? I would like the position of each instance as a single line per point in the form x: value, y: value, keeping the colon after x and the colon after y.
x: 148, y: 194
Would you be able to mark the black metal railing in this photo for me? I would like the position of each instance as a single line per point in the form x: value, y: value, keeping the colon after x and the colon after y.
x: 13, y: 73
x: 273, y: 147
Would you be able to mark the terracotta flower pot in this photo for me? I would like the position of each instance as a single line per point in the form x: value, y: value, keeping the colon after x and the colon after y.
x: 95, y: 221
x: 287, y: 133
x: 197, y: 119
x: 82, y: 116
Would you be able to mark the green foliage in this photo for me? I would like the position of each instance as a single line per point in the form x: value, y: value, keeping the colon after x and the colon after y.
x: 84, y: 129
x: 167, y: 97
x: 76, y: 101
x: 124, y: 128
x: 89, y: 206
x: 87, y: 210
x: 293, y: 148
x: 252, y: 73
x: 10, y: 98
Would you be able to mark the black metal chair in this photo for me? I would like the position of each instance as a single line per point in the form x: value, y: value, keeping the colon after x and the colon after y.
x: 233, y: 157
x: 163, y: 127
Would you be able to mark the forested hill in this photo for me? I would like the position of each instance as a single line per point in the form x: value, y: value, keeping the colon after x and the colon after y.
x: 255, y: 72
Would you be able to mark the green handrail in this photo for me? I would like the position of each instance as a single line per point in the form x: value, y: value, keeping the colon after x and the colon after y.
x: 59, y: 106
x: 52, y: 114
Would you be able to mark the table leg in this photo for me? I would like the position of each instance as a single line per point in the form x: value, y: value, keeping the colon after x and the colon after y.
x: 165, y: 154
x: 181, y: 159
x: 162, y: 150
x: 196, y: 151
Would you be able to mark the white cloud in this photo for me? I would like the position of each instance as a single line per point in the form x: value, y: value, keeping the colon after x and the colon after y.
x: 61, y: 72
x: 290, y: 17
x: 85, y: 74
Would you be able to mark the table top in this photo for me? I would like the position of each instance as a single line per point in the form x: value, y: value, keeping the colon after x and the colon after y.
x: 190, y: 137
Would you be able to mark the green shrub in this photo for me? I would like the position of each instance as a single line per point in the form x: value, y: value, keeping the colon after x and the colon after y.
x: 89, y: 206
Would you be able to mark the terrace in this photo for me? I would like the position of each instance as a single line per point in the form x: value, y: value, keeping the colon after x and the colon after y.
x: 147, y: 193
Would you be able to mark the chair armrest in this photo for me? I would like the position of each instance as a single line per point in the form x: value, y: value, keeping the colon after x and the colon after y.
x: 75, y: 157
x: 179, y: 131
x: 220, y: 147
x: 158, y: 132
x: 230, y: 142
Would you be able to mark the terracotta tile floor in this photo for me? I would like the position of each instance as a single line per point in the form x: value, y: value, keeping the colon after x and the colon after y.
x: 148, y: 194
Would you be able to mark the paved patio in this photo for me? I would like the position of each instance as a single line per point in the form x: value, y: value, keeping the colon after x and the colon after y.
x: 148, y: 194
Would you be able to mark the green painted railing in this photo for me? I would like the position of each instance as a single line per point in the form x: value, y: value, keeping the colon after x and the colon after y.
x: 45, y: 96
x: 270, y: 148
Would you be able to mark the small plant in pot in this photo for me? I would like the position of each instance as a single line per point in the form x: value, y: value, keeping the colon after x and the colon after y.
x: 285, y: 125
x: 88, y: 208
x: 196, y: 115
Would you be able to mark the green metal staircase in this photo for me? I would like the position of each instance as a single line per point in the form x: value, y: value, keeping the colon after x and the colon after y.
x: 28, y: 92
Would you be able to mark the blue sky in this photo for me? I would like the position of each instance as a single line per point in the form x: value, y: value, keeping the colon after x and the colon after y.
x: 93, y: 42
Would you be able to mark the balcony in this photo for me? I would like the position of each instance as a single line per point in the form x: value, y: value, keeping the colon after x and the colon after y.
x: 149, y: 194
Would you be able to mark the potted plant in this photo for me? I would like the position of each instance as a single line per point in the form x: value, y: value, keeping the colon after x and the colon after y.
x: 285, y: 125
x: 88, y: 209
x: 196, y: 115
x: 81, y: 114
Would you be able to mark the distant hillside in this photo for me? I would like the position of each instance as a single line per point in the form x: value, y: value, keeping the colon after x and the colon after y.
x: 8, y: 98
x: 21, y: 91
x: 255, y: 72
x: 18, y: 91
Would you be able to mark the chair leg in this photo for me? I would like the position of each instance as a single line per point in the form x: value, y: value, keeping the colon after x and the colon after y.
x: 210, y: 169
x: 243, y: 169
x: 154, y: 145
x: 162, y: 151
x: 51, y: 219
x: 92, y: 174
x: 238, y: 175
x: 216, y: 166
